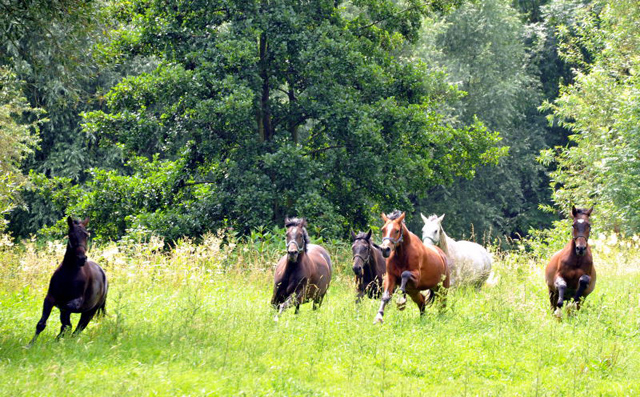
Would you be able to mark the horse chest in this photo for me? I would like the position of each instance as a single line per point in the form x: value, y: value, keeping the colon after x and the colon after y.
x: 67, y: 284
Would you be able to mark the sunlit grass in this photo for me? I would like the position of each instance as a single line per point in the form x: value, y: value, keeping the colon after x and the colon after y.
x: 197, y: 321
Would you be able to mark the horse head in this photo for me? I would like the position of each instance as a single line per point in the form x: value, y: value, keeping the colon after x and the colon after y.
x: 581, y: 228
x: 432, y: 229
x: 392, y: 232
x: 361, y: 249
x: 78, y: 239
x: 296, y: 237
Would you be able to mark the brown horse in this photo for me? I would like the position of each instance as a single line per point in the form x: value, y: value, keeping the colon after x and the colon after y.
x: 415, y: 266
x: 570, y: 270
x: 368, y: 265
x: 77, y: 286
x: 304, y: 273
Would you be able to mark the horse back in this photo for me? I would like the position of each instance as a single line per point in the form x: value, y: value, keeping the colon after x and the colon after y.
x: 319, y: 268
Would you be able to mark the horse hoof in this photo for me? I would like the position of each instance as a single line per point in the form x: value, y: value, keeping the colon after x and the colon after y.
x: 275, y: 318
x: 378, y: 319
x: 558, y: 313
x: 401, y: 303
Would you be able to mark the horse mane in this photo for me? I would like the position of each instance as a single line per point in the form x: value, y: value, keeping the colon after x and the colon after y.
x: 361, y: 236
x: 301, y: 223
x: 394, y: 215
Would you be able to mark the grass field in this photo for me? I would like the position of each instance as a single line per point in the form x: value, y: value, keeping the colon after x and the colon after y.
x: 197, y: 321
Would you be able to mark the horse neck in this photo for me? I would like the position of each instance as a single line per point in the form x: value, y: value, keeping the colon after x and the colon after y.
x: 69, y: 259
x: 405, y: 244
x: 444, y: 241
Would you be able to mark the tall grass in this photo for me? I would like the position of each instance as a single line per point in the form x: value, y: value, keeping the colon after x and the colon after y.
x: 196, y: 320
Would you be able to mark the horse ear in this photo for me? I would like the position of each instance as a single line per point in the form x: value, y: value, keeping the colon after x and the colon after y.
x: 401, y: 217
x: 70, y: 222
x: 353, y: 235
x: 574, y: 211
x: 384, y: 217
x: 85, y: 222
x: 589, y: 211
x: 369, y: 234
x: 441, y: 218
x: 424, y: 218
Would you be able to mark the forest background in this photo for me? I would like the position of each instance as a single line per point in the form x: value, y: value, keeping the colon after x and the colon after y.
x: 175, y: 119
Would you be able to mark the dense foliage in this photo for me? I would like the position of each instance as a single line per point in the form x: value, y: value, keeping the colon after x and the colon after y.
x: 601, y: 107
x: 184, y: 117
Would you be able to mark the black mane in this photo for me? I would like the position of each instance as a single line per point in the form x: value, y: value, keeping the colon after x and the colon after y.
x: 361, y: 236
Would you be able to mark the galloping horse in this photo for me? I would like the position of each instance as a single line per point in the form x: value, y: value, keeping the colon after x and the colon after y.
x: 570, y: 270
x: 77, y: 286
x: 302, y: 274
x: 416, y: 266
x: 470, y: 262
x: 368, y: 265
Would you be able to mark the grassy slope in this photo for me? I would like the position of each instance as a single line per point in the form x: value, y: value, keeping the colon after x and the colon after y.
x: 190, y: 323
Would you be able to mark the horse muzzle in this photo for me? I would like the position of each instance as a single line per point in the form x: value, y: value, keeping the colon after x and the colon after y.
x: 386, y: 251
x: 357, y: 270
x: 581, y: 251
x: 292, y: 255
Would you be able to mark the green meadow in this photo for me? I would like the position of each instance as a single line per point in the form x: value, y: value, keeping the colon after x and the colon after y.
x: 196, y: 320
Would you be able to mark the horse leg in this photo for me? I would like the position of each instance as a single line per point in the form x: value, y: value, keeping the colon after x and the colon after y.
x: 42, y: 324
x: 65, y: 319
x: 389, y: 286
x: 85, y: 318
x: 561, y: 286
x: 583, y: 284
x: 553, y: 298
x: 419, y: 299
x: 401, y: 302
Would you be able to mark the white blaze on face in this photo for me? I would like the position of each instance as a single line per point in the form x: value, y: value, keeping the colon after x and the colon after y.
x: 580, y: 221
x: 294, y: 236
x: 387, y: 234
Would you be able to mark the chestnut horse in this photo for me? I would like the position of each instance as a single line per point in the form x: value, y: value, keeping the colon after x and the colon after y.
x: 368, y: 266
x: 304, y: 273
x: 570, y: 270
x: 77, y: 286
x: 415, y: 266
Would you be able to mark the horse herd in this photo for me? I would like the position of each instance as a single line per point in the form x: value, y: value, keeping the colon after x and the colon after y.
x: 431, y: 264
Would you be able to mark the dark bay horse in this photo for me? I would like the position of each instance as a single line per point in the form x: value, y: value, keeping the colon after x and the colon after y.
x: 570, y: 270
x: 78, y: 285
x: 368, y: 265
x: 304, y: 273
x: 415, y: 266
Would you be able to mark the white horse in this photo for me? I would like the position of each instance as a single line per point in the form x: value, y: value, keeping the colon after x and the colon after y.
x: 470, y: 262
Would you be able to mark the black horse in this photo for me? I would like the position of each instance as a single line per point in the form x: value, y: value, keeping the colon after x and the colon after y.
x: 368, y: 265
x: 77, y: 286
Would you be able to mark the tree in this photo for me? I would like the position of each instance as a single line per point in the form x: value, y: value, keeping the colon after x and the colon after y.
x: 17, y: 140
x: 600, y: 107
x: 487, y: 50
x: 276, y: 108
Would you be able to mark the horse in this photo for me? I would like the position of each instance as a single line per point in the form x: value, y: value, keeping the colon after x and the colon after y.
x: 303, y: 273
x: 415, y: 266
x: 78, y: 285
x: 470, y: 262
x: 368, y: 265
x: 570, y: 270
